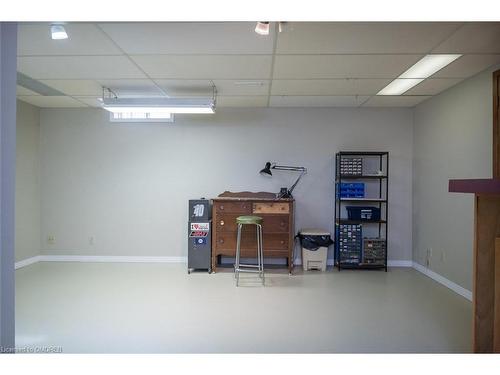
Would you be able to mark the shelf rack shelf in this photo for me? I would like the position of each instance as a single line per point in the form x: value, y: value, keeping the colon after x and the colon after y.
x: 379, y: 159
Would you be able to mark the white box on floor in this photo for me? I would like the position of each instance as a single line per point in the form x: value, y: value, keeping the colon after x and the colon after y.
x: 314, y: 259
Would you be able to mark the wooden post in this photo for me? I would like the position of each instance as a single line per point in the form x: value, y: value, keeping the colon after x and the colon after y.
x: 486, y: 279
x: 487, y: 223
x: 496, y: 333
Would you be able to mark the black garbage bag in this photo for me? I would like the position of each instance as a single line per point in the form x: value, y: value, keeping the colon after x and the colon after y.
x: 314, y: 242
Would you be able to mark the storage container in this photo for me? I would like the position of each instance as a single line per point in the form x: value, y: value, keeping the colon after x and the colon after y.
x: 374, y: 250
x: 351, y: 190
x: 363, y: 213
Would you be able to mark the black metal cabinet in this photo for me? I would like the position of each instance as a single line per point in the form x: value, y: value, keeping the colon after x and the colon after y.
x: 361, y: 209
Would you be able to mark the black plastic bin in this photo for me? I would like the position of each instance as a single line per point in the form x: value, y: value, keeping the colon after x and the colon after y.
x: 368, y: 213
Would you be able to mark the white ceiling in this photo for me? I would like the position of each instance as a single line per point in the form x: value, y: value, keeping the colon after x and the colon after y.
x: 306, y: 65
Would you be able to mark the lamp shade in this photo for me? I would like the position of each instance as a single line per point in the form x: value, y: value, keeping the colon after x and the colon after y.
x: 267, y: 170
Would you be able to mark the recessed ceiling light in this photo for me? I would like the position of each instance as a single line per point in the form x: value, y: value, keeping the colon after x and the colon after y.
x: 262, y: 28
x: 58, y: 32
x: 422, y: 69
x: 399, y: 86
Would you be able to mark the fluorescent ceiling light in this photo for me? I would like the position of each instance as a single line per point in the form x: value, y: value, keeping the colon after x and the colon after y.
x: 422, y: 69
x: 141, y: 117
x: 399, y: 86
x: 428, y: 65
x: 58, y: 32
x: 262, y: 28
x: 159, y: 105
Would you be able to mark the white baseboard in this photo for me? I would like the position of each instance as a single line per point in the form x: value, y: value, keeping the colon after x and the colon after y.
x: 399, y: 263
x: 390, y: 263
x: 444, y: 281
x: 27, y: 262
x: 111, y: 259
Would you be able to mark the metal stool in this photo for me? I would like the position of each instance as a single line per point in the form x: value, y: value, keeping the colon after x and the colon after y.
x: 254, y: 268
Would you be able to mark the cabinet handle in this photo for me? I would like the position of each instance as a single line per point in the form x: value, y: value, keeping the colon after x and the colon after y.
x: 222, y: 222
x: 244, y: 206
x: 221, y: 206
x: 282, y: 224
x: 221, y: 241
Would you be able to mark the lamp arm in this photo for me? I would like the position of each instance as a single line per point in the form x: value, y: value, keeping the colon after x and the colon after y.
x: 304, y: 171
x: 288, y: 168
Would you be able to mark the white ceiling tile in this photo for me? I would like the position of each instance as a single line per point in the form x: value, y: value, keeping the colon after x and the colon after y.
x: 473, y: 37
x: 467, y: 66
x: 133, y: 87
x: 78, y: 67
x: 24, y: 91
x: 52, y: 101
x: 189, y: 38
x: 83, y: 39
x: 204, y: 87
x: 362, y: 37
x: 122, y: 87
x: 316, y: 101
x: 74, y: 87
x: 92, y: 101
x: 242, y: 101
x: 341, y: 66
x: 205, y: 66
x: 433, y: 86
x: 328, y: 86
x: 395, y: 101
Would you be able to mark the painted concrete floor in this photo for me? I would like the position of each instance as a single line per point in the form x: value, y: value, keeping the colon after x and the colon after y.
x: 159, y: 308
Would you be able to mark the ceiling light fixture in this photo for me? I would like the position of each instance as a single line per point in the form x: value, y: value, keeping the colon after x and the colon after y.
x: 159, y: 105
x: 58, y: 32
x: 399, y: 86
x: 262, y: 28
x: 422, y: 69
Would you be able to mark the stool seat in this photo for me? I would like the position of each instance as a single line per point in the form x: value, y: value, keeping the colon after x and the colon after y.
x: 249, y: 220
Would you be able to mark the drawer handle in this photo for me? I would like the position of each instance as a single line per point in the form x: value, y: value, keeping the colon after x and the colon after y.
x: 282, y: 242
x: 222, y: 223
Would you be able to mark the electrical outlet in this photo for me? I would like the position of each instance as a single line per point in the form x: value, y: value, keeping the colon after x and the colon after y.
x: 51, y: 239
x: 91, y: 240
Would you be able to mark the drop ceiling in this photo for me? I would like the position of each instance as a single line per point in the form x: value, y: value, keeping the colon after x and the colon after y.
x: 332, y: 64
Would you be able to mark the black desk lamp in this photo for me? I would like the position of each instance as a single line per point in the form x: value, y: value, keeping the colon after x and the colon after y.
x: 285, y: 192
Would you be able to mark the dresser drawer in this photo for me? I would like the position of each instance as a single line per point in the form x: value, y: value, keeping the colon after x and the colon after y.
x: 242, y: 208
x: 270, y: 224
x: 271, y: 208
x: 227, y: 241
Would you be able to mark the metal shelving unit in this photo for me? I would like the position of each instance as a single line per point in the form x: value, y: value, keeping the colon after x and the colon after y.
x: 380, y: 177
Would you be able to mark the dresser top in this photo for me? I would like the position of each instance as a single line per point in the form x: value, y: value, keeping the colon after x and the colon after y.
x: 250, y: 196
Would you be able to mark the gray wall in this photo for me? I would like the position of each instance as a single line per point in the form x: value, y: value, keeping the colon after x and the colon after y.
x: 127, y: 185
x: 27, y: 182
x: 452, y: 139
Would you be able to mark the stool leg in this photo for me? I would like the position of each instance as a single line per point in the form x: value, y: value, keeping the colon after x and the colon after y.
x: 237, y: 263
x: 259, y: 259
x: 261, y: 252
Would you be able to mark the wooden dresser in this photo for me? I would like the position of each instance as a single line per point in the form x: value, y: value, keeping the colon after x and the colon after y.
x: 278, y: 226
